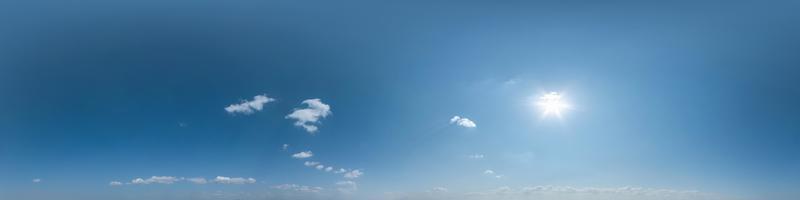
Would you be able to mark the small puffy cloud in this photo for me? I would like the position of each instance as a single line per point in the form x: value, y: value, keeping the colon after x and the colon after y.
x: 298, y: 188
x: 198, y: 180
x: 475, y: 156
x: 462, y: 121
x: 353, y: 174
x: 328, y: 169
x: 36, y: 180
x: 285, y: 147
x: 249, y: 107
x: 115, y: 183
x: 320, y: 167
x: 302, y: 155
x: 310, y: 163
x: 309, y: 117
x: 488, y: 172
x: 346, y: 186
x: 339, y: 171
x: 237, y: 180
x: 155, y: 179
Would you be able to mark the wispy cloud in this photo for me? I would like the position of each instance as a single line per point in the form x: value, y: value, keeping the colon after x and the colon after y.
x: 353, y: 174
x: 197, y: 180
x: 298, y: 188
x: 462, y: 121
x: 36, y: 180
x: 155, y: 179
x: 347, y: 186
x: 115, y: 183
x: 237, y: 180
x: 566, y: 193
x: 249, y: 107
x: 476, y: 156
x: 303, y: 155
x: 310, y: 116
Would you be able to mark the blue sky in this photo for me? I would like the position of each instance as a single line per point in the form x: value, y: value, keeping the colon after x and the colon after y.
x: 196, y: 99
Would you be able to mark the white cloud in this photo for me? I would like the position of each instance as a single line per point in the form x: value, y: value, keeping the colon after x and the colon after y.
x: 488, y: 172
x: 285, y: 147
x: 462, y: 121
x: 346, y: 186
x: 298, y: 188
x: 155, y: 179
x: 237, y: 180
x: 475, y: 156
x: 302, y: 155
x: 198, y: 180
x: 249, y: 107
x: 320, y: 167
x: 36, y: 180
x: 328, y: 169
x: 339, y: 171
x: 115, y: 183
x: 310, y: 163
x: 353, y: 174
x: 308, y: 117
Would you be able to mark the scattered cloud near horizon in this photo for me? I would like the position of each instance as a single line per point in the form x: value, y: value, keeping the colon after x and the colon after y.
x: 249, y: 107
x: 195, y: 180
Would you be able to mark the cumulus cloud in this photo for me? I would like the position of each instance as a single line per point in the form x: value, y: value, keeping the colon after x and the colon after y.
x: 237, y: 180
x: 353, y: 174
x: 115, y: 183
x: 198, y: 180
x: 328, y: 169
x: 249, y: 107
x: 36, y: 180
x: 285, y: 147
x: 155, y: 179
x: 309, y: 117
x: 462, y: 121
x: 302, y: 155
x: 488, y: 172
x: 339, y: 171
x: 346, y: 186
x: 298, y: 188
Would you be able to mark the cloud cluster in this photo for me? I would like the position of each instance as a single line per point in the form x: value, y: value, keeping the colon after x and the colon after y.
x: 349, y: 174
x: 249, y: 107
x: 310, y: 116
x: 463, y: 121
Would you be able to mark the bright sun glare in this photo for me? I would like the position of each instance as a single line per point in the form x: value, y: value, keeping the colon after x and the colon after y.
x: 551, y: 104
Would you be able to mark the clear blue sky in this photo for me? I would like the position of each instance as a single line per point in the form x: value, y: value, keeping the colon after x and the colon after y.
x: 685, y: 100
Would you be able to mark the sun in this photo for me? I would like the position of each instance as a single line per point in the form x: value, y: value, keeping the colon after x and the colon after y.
x: 552, y: 104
